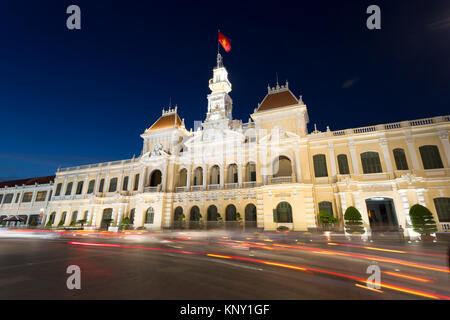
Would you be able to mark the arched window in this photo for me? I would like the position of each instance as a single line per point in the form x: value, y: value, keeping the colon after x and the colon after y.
x: 182, y: 178
x: 132, y: 212
x: 442, y: 209
x: 343, y: 164
x: 69, y: 188
x: 250, y: 172
x: 230, y: 213
x: 214, y: 177
x: 400, y: 159
x: 52, y: 217
x: 232, y: 176
x: 149, y: 216
x: 282, y: 167
x: 283, y: 213
x: 155, y: 178
x: 74, y: 216
x: 63, y: 217
x: 58, y: 189
x: 326, y: 206
x: 79, y: 187
x: 198, y: 176
x: 320, y: 166
x: 112, y: 185
x: 431, y: 157
x: 371, y: 162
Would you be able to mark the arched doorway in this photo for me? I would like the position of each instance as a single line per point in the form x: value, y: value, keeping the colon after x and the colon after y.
x: 212, y: 217
x: 178, y: 218
x: 381, y: 213
x: 195, y: 218
x: 106, y: 219
x: 250, y: 216
x: 230, y: 217
x: 214, y: 177
x: 198, y: 177
x: 155, y: 178
x: 283, y: 213
x: 282, y: 167
x: 150, y: 216
x: 182, y: 180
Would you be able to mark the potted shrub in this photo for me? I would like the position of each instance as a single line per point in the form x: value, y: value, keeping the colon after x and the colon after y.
x: 422, y: 222
x: 326, y: 220
x: 353, y: 221
x: 282, y: 229
x: 126, y: 222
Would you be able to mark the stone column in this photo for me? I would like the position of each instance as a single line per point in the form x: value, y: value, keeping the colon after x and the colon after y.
x: 239, y: 167
x: 412, y: 152
x: 386, y: 155
x: 142, y: 180
x: 119, y: 215
x: 205, y: 174
x: 297, y: 164
x: 188, y: 177
x: 354, y: 157
x: 446, y: 145
x: 222, y: 175
x: 332, y: 160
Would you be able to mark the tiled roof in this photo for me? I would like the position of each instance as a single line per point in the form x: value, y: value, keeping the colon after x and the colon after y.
x: 277, y: 100
x: 166, y: 121
x: 28, y: 181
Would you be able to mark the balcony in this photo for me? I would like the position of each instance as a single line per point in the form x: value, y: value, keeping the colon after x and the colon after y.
x: 151, y: 189
x: 281, y: 180
x: 445, y: 226
x: 214, y: 187
x: 231, y: 185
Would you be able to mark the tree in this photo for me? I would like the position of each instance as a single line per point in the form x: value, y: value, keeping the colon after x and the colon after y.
x: 49, y: 224
x: 422, y: 220
x: 353, y: 221
x: 61, y: 223
x: 326, y: 219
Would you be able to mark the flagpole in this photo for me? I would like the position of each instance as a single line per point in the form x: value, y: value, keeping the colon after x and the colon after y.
x: 218, y: 47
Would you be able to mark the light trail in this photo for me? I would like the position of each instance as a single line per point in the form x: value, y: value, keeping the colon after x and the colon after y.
x: 366, y: 287
x: 282, y: 265
x: 405, y: 276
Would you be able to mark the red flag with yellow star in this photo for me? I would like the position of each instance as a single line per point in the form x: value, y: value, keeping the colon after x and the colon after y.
x: 225, y: 42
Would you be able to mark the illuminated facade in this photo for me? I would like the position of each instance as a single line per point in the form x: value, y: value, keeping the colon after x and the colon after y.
x: 269, y: 171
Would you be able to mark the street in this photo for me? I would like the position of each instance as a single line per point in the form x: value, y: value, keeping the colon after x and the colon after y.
x: 216, y: 265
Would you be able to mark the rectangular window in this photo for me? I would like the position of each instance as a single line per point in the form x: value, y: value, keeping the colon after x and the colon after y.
x: 41, y: 195
x: 50, y: 195
x: 8, y: 198
x: 136, y: 182
x: 58, y: 189
x: 125, y: 184
x: 27, y: 197
x: 1, y: 198
x: 102, y: 184
x: 80, y: 187
x: 17, y: 197
x: 320, y: 166
x: 69, y: 188
x: 91, y: 186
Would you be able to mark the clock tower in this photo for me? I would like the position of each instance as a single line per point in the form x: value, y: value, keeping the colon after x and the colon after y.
x: 219, y: 102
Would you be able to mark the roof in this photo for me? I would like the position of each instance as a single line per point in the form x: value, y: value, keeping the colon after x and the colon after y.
x: 28, y: 181
x: 278, y: 99
x: 171, y: 120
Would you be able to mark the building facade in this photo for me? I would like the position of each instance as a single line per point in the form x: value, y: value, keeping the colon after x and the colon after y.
x: 25, y: 200
x: 270, y: 171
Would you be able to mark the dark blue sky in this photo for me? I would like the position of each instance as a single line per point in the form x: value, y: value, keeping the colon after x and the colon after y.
x: 76, y: 97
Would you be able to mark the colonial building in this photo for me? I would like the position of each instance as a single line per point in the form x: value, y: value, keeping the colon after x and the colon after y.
x: 25, y: 201
x: 269, y: 171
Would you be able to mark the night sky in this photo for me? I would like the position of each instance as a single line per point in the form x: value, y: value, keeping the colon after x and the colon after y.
x: 77, y: 97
